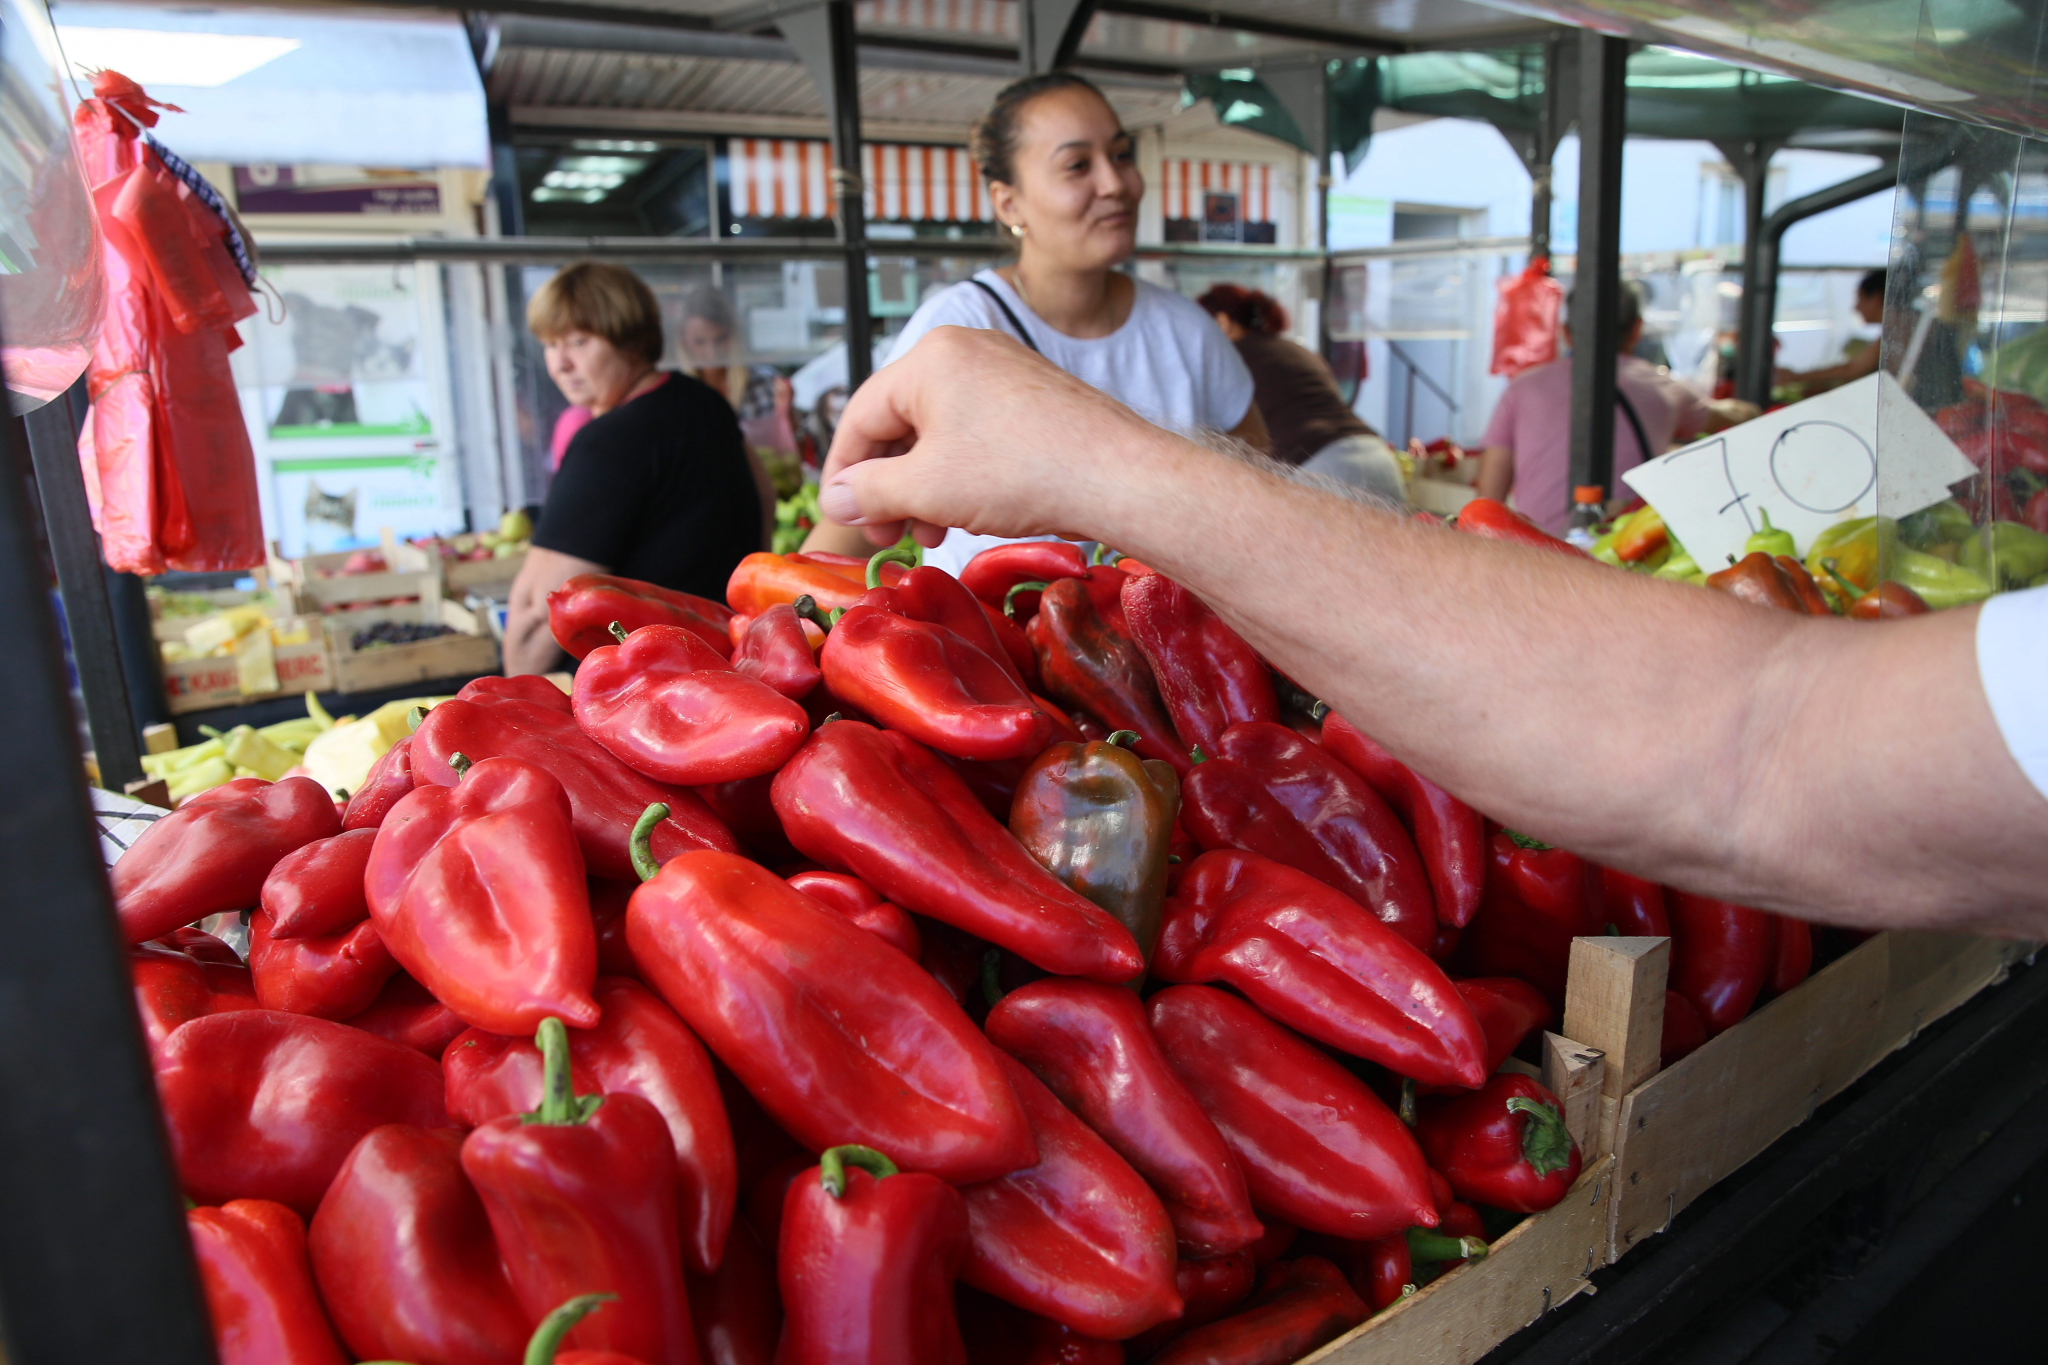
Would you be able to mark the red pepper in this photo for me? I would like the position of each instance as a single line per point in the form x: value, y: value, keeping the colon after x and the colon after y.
x: 1016, y: 646
x: 1317, y: 1147
x: 746, y: 810
x: 1313, y: 959
x: 334, y: 976
x: 1800, y: 580
x: 879, y: 805
x: 1496, y: 521
x: 833, y: 582
x: 863, y: 905
x: 927, y: 682
x: 934, y: 596
x: 404, y: 1255
x: 997, y: 1333
x: 737, y: 1312
x: 777, y: 651
x: 1329, y: 822
x: 389, y: 778
x: 259, y: 1292
x: 318, y: 889
x: 1684, y: 1030
x: 1721, y: 955
x: 407, y: 1013
x: 1380, y: 1271
x: 1079, y: 1236
x: 266, y: 1105
x: 1091, y: 1045
x: 544, y: 1347
x: 867, y: 1260
x: 1210, y: 678
x: 991, y: 574
x: 639, y: 1047
x: 1095, y: 667
x: 500, y: 718
x: 1759, y: 579
x: 1299, y: 1306
x: 1449, y: 834
x: 212, y: 853
x: 1627, y: 905
x: 1504, y: 1146
x: 670, y: 708
x: 1535, y: 904
x: 1792, y: 963
x: 581, y: 1195
x: 478, y: 891
x: 834, y: 1032
x: 608, y: 902
x: 1208, y: 1290
x: 174, y: 983
x: 581, y: 612
x: 1889, y: 601
x: 1508, y: 1010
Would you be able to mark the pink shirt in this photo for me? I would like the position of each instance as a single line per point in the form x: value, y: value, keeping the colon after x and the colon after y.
x: 1534, y: 422
x: 573, y: 419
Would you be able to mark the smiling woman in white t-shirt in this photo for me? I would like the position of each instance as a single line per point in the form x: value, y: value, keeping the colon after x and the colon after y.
x: 1064, y: 183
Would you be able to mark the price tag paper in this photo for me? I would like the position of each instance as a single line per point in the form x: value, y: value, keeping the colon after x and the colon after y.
x: 1852, y: 452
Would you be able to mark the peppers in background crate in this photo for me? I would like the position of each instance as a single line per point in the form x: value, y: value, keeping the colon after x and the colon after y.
x: 1100, y: 819
x: 212, y: 853
x: 266, y: 1105
x: 1089, y: 1043
x: 1504, y: 1146
x: 407, y: 1013
x: 861, y: 904
x: 1314, y: 960
x: 1208, y: 1289
x: 581, y: 612
x: 1090, y: 665
x: 866, y: 1264
x: 1208, y: 676
x: 478, y: 891
x: 1318, y: 1149
x: 318, y: 889
x: 1450, y: 835
x: 997, y: 1333
x: 334, y: 976
x: 834, y: 582
x: 581, y: 1197
x: 404, y: 1255
x: 1078, y: 1236
x: 1508, y: 1010
x: 834, y: 1032
x: 925, y: 681
x: 668, y: 706
x: 1721, y: 956
x: 530, y: 719
x: 1630, y: 906
x: 1300, y: 1305
x: 1684, y: 1030
x: 259, y: 1289
x: 881, y: 806
x: 737, y: 1312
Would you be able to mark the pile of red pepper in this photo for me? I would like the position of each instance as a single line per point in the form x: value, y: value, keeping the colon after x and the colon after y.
x: 993, y: 969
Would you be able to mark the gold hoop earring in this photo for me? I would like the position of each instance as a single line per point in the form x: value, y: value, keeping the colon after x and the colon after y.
x: 1016, y: 229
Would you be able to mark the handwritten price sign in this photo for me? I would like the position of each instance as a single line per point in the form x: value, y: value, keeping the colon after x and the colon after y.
x: 1852, y: 452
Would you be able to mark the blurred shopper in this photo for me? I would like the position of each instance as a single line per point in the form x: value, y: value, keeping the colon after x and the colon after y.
x: 1862, y: 361
x: 656, y: 486
x: 1063, y: 177
x: 1527, y: 447
x: 758, y: 393
x: 1298, y: 399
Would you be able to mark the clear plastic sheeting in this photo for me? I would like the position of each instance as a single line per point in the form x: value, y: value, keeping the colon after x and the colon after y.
x: 51, y: 285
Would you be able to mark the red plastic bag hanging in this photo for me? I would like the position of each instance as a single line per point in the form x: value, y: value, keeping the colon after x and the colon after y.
x: 1525, y: 319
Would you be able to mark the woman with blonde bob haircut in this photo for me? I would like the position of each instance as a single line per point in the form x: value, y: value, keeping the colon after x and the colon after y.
x: 656, y: 486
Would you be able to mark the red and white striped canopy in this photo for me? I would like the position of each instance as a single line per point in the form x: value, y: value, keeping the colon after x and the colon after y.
x: 791, y: 178
x: 1185, y: 181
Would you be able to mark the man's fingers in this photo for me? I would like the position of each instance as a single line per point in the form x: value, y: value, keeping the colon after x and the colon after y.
x: 874, y: 425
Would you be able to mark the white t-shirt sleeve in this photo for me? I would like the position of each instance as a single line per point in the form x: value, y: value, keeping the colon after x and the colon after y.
x: 959, y: 305
x: 2012, y: 661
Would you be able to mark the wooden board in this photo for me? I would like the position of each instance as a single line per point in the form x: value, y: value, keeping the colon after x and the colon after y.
x: 1693, y: 1125
x: 1540, y: 1263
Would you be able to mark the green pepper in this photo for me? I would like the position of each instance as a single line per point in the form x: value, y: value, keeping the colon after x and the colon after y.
x: 1100, y: 819
x: 1771, y: 540
x: 1945, y: 523
x: 244, y: 747
x: 1603, y: 548
x: 2005, y: 552
x: 1939, y: 583
x: 1680, y: 566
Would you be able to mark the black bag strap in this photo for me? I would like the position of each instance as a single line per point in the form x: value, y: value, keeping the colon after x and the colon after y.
x: 1635, y: 423
x: 1015, y: 321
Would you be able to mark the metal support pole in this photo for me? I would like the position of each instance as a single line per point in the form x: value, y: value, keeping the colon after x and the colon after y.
x: 1303, y: 88
x: 1603, y: 106
x: 96, y: 1264
x: 1051, y: 32
x: 824, y: 39
x: 75, y: 553
x: 1549, y: 130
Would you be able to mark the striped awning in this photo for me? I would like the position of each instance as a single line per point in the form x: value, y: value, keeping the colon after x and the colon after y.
x: 791, y: 178
x: 1185, y: 181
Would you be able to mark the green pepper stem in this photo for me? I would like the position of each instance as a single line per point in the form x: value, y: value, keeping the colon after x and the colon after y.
x: 341, y: 793
x: 618, y: 633
x: 210, y: 731
x: 1426, y: 1244
x: 1195, y: 755
x: 560, y: 1105
x: 547, y: 1338
x: 895, y: 554
x: 1546, y: 1142
x: 807, y: 608
x: 1528, y: 841
x: 1407, y: 1111
x: 833, y: 1162
x: 1101, y: 554
x: 641, y: 845
x: 1836, y: 574
x: 1123, y: 739
x: 992, y: 977
x: 1010, y: 597
x: 460, y: 762
x: 414, y: 717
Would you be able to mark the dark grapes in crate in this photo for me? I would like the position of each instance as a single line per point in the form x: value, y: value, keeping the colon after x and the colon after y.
x: 386, y: 633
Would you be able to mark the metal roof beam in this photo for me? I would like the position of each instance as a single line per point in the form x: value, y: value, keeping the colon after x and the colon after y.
x: 1348, y: 40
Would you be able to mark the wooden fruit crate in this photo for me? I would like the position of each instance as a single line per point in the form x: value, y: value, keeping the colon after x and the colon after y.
x: 312, y: 585
x: 199, y: 684
x: 470, y: 651
x: 460, y: 576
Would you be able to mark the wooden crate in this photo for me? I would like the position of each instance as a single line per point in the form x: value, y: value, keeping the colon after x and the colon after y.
x: 200, y: 684
x: 469, y: 651
x: 459, y: 576
x: 410, y: 573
